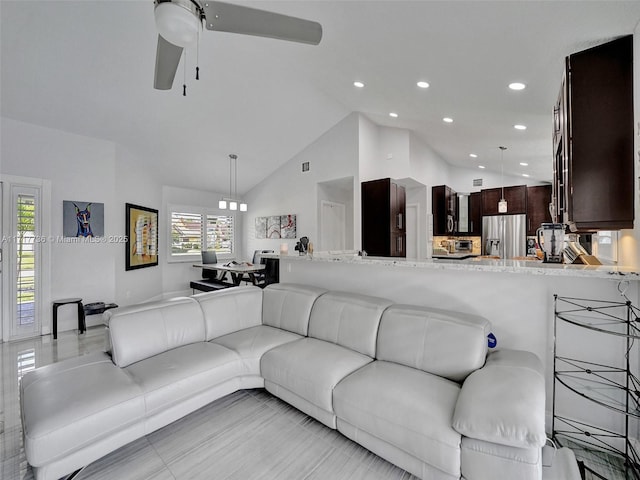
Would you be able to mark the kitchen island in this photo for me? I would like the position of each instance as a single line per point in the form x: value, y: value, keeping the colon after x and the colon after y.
x: 475, y: 263
x: 516, y: 296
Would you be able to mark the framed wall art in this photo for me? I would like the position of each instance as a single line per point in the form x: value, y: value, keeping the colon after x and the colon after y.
x: 82, y: 219
x: 276, y: 226
x: 142, y: 237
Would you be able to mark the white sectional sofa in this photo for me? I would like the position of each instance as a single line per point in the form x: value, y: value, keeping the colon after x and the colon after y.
x: 412, y: 384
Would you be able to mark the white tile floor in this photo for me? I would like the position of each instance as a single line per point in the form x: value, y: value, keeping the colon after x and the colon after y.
x: 246, y: 435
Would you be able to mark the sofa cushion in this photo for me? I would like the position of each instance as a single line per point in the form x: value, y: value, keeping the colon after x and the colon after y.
x: 445, y: 343
x: 68, y: 405
x: 288, y: 306
x: 504, y: 402
x: 348, y: 319
x: 230, y: 310
x: 176, y: 375
x: 146, y: 330
x: 251, y: 343
x: 408, y: 408
x: 310, y: 368
x: 480, y: 460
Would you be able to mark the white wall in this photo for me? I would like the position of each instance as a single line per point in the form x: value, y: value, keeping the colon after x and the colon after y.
x: 288, y: 190
x: 461, y: 179
x: 86, y: 169
x: 387, y: 153
x: 80, y: 169
x: 136, y: 185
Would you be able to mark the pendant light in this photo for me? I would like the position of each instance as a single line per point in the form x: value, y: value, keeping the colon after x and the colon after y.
x: 502, y: 204
x: 232, y: 203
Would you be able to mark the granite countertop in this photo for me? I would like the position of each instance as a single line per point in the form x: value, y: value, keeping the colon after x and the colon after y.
x: 530, y: 267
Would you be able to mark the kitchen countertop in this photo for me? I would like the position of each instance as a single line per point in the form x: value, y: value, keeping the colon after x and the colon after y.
x: 529, y: 267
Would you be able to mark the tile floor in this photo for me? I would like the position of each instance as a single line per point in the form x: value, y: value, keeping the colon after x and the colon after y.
x: 246, y: 435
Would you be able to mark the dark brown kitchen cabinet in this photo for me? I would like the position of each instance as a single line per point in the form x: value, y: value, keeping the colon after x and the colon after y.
x: 516, y: 197
x: 383, y: 218
x: 444, y: 209
x: 538, y: 200
x: 475, y: 214
x: 593, y: 139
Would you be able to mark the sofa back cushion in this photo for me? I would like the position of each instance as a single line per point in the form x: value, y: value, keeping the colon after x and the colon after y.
x: 142, y: 331
x: 445, y: 343
x: 288, y: 306
x: 229, y: 310
x: 348, y: 319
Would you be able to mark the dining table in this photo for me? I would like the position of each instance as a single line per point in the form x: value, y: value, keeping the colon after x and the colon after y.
x: 238, y: 270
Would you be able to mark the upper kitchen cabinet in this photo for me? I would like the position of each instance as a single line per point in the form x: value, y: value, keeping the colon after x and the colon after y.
x: 383, y: 218
x: 444, y: 209
x: 475, y: 214
x: 538, y: 200
x: 469, y: 214
x: 593, y: 139
x: 516, y: 197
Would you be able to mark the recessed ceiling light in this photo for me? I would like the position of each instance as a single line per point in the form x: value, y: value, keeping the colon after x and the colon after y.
x: 480, y: 166
x: 524, y: 164
x: 517, y: 86
x: 358, y: 84
x: 520, y: 127
x: 473, y: 155
x: 423, y: 84
x: 393, y: 114
x: 525, y: 174
x: 447, y: 120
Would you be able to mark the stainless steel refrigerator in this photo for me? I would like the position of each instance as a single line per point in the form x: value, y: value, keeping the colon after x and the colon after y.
x: 504, y: 235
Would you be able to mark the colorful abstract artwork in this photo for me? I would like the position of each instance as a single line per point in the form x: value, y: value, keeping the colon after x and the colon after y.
x: 142, y: 237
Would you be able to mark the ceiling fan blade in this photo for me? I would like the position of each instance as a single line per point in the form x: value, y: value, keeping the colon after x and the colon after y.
x: 225, y: 17
x: 167, y: 60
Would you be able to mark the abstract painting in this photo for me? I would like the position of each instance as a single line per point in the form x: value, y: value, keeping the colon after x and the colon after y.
x: 142, y: 237
x: 273, y: 227
x: 288, y: 226
x: 261, y: 227
x: 276, y: 226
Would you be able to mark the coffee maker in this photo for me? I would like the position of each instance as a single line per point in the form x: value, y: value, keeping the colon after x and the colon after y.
x: 551, y: 241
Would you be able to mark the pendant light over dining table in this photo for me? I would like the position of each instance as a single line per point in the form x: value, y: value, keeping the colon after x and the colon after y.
x: 502, y: 204
x: 231, y: 201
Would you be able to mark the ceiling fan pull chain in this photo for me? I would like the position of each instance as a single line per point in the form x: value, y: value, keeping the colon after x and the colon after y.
x: 198, y: 57
x: 184, y: 83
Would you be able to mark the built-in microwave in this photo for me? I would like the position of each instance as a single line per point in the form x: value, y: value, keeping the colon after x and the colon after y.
x: 464, y: 245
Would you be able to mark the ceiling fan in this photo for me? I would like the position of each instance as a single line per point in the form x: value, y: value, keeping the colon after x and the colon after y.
x: 180, y: 22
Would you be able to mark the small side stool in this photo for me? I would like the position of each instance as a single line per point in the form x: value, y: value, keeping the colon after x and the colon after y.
x: 66, y: 301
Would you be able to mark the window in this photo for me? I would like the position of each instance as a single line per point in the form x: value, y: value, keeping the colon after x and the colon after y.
x: 25, y: 259
x: 195, y: 230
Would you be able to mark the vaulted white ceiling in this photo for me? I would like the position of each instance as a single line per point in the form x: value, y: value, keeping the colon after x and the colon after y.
x: 87, y: 67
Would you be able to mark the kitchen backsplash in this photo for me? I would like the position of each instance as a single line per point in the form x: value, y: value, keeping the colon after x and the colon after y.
x: 443, y: 243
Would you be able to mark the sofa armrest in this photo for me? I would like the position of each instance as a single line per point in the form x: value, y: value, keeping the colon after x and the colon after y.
x: 504, y: 401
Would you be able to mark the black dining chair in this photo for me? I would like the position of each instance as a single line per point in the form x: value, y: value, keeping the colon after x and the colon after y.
x: 262, y: 277
x: 209, y: 256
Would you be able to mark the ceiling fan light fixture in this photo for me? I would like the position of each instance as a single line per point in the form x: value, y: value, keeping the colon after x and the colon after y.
x: 178, y: 22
